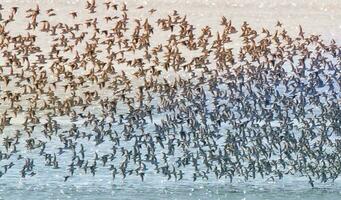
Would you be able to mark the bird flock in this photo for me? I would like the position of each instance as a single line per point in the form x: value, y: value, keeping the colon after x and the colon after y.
x: 133, y: 97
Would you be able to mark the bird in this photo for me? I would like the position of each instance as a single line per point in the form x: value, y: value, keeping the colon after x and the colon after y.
x: 151, y: 11
x: 73, y: 14
x: 125, y: 100
x: 66, y: 178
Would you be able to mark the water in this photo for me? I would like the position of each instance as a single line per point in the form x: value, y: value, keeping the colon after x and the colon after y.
x: 48, y: 183
x: 164, y: 190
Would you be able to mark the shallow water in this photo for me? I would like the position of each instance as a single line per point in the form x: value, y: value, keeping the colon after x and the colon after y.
x: 166, y: 190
